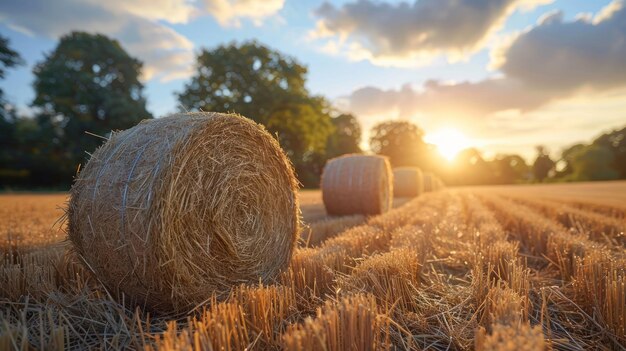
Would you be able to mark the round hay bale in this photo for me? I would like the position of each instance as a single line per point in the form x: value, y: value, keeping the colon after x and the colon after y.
x: 407, y: 182
x: 357, y: 184
x: 438, y: 184
x: 428, y: 182
x: 178, y: 208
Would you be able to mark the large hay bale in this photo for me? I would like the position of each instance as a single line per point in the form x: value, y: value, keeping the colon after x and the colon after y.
x: 357, y: 184
x: 178, y: 208
x: 407, y: 182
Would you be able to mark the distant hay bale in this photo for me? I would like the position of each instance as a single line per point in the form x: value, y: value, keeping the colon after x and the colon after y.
x: 178, y: 208
x: 435, y: 183
x: 357, y: 184
x: 439, y: 185
x: 407, y: 182
x: 428, y: 182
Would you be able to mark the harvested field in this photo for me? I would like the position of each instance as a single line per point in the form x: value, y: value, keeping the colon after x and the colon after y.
x: 313, y: 209
x: 599, y: 193
x: 485, y: 268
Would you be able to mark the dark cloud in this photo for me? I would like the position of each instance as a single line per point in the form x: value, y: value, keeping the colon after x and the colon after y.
x: 567, y: 56
x: 422, y: 29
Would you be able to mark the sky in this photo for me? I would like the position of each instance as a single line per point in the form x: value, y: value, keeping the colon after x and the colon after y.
x: 499, y: 75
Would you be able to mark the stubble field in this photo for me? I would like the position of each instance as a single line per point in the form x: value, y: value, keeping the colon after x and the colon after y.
x: 486, y: 268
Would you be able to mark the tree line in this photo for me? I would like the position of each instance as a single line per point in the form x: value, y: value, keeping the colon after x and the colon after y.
x: 89, y: 86
x: 602, y: 159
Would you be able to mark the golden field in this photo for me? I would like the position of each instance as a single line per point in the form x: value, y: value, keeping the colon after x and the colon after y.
x: 486, y: 268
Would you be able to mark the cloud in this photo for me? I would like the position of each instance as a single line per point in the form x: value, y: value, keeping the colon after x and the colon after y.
x: 566, y: 57
x: 230, y: 12
x: 165, y: 53
x: 172, y: 11
x: 551, y: 61
x: 450, y: 100
x: 137, y: 24
x: 168, y: 55
x: 405, y: 34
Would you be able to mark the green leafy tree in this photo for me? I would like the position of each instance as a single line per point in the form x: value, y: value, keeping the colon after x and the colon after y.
x: 615, y: 142
x: 267, y: 87
x: 10, y: 153
x: 87, y: 84
x: 593, y: 162
x: 509, y: 169
x: 346, y: 137
x: 566, y: 160
x: 8, y: 58
x: 543, y: 164
x: 470, y: 168
x: 401, y: 141
x: 249, y: 79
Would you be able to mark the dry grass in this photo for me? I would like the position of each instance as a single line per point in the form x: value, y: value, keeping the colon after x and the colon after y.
x: 507, y: 338
x: 353, y: 323
x: 28, y: 221
x: 448, y: 270
x: 393, y: 278
x: 599, y: 227
x: 317, y: 232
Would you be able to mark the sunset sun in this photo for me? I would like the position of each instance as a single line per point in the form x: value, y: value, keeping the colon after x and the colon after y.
x: 448, y: 141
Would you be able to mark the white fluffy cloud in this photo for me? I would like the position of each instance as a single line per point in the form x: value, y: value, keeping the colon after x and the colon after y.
x: 137, y: 24
x: 230, y: 12
x: 173, y: 11
x: 165, y: 53
x: 407, y: 34
x: 552, y: 61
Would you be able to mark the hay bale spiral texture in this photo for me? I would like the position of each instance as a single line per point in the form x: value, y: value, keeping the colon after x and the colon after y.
x: 357, y: 184
x: 407, y: 182
x: 178, y: 208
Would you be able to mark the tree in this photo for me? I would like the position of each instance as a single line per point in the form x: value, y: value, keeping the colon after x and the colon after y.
x: 543, y: 164
x: 9, y: 146
x: 8, y: 58
x: 470, y: 168
x: 88, y: 83
x: 401, y: 141
x: 566, y: 159
x: 295, y: 126
x: 268, y: 87
x: 249, y: 79
x: 346, y: 137
x: 593, y: 162
x: 509, y: 169
x: 615, y: 142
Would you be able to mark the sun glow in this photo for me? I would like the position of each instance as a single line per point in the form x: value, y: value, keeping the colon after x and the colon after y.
x: 448, y: 141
